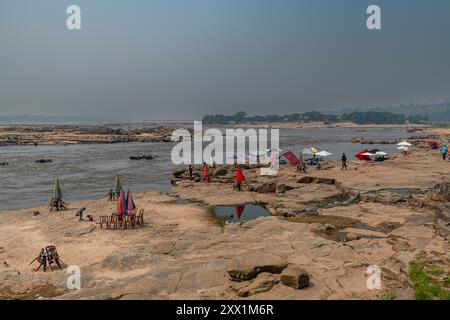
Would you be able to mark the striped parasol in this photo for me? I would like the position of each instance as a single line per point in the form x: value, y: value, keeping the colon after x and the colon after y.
x: 117, y: 185
x: 130, y: 203
x: 57, y: 193
x: 122, y: 204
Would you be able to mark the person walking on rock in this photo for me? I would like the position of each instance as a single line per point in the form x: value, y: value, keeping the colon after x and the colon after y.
x: 344, y: 162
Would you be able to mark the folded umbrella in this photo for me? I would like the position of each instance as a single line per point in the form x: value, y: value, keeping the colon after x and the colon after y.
x: 239, y: 211
x: 122, y: 204
x: 117, y: 185
x: 57, y: 193
x: 239, y: 175
x: 130, y: 203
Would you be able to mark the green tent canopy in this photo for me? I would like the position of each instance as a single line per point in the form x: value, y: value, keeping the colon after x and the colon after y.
x: 117, y: 185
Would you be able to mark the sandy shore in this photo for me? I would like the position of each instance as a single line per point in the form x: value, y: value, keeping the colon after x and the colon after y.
x: 334, y: 224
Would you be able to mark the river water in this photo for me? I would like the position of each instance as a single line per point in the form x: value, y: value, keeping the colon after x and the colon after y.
x: 88, y: 171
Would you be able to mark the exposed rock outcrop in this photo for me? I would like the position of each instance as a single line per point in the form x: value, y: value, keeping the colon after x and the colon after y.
x: 295, y: 277
x: 248, y: 266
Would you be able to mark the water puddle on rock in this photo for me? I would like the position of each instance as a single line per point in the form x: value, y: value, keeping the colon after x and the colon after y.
x: 343, y: 200
x: 225, y: 213
x: 238, y: 213
x: 404, y: 192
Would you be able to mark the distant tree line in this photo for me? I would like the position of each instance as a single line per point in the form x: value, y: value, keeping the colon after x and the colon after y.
x: 367, y: 117
x: 436, y: 111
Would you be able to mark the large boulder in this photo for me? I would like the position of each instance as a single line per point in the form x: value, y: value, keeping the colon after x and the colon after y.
x: 351, y: 236
x: 307, y: 180
x: 442, y: 223
x: 295, y: 277
x: 220, y: 171
x: 262, y: 283
x: 282, y: 188
x: 269, y: 187
x: 248, y: 266
x: 328, y: 181
x: 178, y: 173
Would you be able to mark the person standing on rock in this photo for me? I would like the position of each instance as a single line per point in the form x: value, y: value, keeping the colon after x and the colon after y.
x: 444, y: 151
x: 190, y: 172
x: 111, y: 195
x: 344, y: 162
x: 301, y: 164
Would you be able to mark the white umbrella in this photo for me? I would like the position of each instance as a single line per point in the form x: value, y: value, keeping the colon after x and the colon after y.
x: 404, y: 144
x: 323, y: 154
x: 381, y: 153
x: 403, y: 148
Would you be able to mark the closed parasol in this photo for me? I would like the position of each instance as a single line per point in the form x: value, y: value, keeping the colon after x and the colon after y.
x: 130, y: 203
x: 122, y: 204
x: 57, y: 193
x: 239, y: 211
x: 205, y: 171
x: 117, y: 185
x: 239, y: 176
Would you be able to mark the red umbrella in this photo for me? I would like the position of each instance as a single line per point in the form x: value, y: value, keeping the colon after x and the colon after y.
x: 205, y: 171
x: 122, y: 204
x: 239, y: 175
x: 239, y: 211
x: 361, y: 157
x: 433, y: 144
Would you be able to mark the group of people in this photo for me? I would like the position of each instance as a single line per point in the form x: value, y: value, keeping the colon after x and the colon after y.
x: 301, y: 166
x: 205, y: 176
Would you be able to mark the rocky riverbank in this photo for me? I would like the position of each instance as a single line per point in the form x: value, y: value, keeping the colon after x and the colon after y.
x: 326, y: 228
x: 385, y: 213
x: 77, y: 134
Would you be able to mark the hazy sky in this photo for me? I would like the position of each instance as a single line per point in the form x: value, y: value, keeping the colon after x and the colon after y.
x: 181, y: 59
